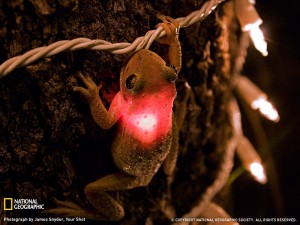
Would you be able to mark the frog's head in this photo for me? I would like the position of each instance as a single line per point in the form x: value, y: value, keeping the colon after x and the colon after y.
x: 146, y: 72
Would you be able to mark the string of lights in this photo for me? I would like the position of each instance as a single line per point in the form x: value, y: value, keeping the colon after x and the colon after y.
x: 247, y: 154
x: 249, y: 21
x: 102, y: 45
x: 246, y: 90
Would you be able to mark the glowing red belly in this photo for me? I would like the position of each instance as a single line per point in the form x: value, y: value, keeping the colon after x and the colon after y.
x: 144, y: 137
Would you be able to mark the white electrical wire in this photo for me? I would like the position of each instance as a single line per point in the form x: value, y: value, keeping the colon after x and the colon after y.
x: 224, y: 170
x: 102, y: 45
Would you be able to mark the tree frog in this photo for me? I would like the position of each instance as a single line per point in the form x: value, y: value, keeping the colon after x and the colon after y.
x: 146, y: 133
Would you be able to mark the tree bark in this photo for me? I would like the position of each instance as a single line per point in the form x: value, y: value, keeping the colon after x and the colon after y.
x: 50, y: 146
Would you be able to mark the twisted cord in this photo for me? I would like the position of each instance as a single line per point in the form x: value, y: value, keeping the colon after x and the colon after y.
x: 102, y: 45
x: 241, y: 54
x: 225, y: 167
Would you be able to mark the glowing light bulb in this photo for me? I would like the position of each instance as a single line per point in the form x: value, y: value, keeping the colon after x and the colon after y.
x: 252, y: 26
x: 266, y: 108
x: 255, y: 98
x: 250, y: 22
x: 258, y: 172
x: 251, y: 160
x: 258, y: 40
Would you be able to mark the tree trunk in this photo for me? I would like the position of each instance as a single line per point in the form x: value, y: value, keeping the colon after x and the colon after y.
x: 50, y: 146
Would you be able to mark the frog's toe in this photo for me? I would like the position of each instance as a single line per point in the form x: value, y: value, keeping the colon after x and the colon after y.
x: 166, y: 27
x: 168, y: 20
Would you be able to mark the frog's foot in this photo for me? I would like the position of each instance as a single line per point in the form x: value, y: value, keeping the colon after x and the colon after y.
x: 92, y: 90
x: 70, y: 209
x: 171, y: 26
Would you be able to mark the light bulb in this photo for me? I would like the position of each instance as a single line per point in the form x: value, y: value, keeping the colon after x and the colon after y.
x: 266, y: 108
x: 251, y: 160
x: 258, y: 172
x: 255, y: 98
x: 258, y: 39
x: 250, y: 22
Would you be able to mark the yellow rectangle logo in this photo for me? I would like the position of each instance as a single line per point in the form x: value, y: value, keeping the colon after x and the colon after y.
x: 8, y: 203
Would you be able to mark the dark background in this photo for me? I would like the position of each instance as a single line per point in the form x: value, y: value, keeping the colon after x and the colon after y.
x: 278, y: 75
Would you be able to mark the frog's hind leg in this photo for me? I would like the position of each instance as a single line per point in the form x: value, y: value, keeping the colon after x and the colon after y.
x: 181, y: 107
x: 104, y: 203
x: 177, y: 123
x: 104, y: 206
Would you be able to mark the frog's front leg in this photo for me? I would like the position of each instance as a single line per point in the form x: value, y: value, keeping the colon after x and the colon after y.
x: 171, y: 26
x: 103, y: 117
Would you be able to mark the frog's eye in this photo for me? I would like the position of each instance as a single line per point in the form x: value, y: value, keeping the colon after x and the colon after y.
x: 172, y: 67
x: 130, y: 81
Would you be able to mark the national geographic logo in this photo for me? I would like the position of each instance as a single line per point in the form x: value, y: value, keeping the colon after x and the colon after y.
x: 8, y: 203
x: 21, y: 203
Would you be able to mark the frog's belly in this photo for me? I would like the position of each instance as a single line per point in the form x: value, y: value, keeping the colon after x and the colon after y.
x: 139, y: 159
